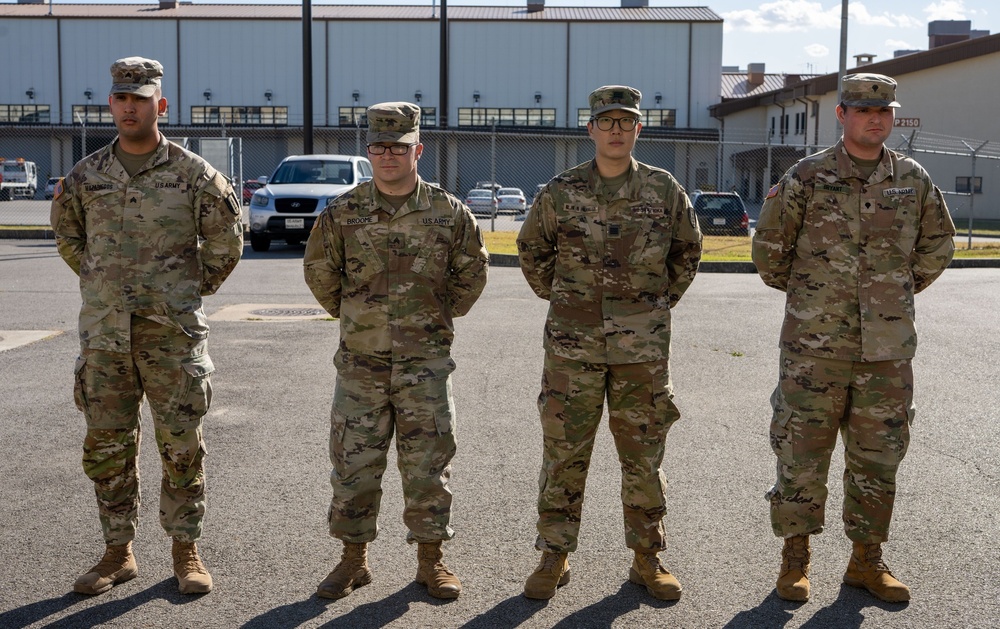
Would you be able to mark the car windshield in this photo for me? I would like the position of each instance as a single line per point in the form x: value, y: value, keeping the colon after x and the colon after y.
x: 314, y: 171
x: 510, y: 192
x: 480, y: 193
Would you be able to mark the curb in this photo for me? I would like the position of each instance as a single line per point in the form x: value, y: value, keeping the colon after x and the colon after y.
x: 510, y: 260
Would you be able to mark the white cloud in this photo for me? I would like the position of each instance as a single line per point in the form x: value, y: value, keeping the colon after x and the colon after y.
x: 783, y: 16
x: 786, y: 16
x: 816, y: 50
x: 946, y: 10
x: 860, y: 15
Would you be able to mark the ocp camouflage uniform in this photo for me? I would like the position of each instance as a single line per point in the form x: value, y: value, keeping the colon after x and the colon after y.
x: 611, y: 267
x: 850, y: 253
x: 396, y: 279
x: 146, y: 248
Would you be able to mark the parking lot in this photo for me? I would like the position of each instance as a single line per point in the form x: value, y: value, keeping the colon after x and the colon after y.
x: 265, y: 535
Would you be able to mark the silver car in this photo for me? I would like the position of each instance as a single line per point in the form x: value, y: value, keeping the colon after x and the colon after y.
x: 482, y: 202
x: 511, y: 201
x: 288, y: 204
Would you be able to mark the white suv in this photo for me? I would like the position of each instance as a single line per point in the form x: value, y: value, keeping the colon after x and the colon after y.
x: 286, y: 207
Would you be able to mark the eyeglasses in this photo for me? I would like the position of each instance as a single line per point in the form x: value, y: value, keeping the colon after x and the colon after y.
x: 607, y: 123
x: 395, y: 149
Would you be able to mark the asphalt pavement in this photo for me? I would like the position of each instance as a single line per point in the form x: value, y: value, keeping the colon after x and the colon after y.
x: 265, y: 533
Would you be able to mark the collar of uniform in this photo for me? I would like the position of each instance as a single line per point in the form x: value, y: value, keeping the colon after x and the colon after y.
x: 160, y: 156
x: 418, y: 200
x: 846, y: 168
x: 629, y: 190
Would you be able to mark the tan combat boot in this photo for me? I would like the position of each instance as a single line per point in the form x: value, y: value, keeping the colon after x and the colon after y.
x: 431, y: 571
x: 552, y: 572
x: 192, y: 577
x: 117, y: 566
x: 647, y: 570
x: 793, y: 580
x: 867, y: 570
x: 351, y: 573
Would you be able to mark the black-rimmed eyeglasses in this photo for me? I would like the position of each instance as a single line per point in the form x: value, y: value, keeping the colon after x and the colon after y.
x: 395, y: 149
x: 607, y: 123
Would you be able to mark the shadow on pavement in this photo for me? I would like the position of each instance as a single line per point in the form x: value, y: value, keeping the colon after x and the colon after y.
x: 368, y: 616
x: 846, y: 612
x: 95, y: 615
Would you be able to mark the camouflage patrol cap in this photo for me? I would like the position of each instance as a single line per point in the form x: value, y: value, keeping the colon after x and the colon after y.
x: 135, y: 75
x: 393, y: 122
x: 868, y: 90
x: 612, y: 97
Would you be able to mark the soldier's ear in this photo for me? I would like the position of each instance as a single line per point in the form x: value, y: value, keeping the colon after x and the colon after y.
x: 161, y: 106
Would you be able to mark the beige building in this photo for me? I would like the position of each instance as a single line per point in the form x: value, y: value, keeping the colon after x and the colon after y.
x: 946, y: 93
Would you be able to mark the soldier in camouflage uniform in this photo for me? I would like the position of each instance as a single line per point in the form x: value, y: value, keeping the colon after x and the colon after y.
x: 612, y: 245
x: 396, y: 259
x: 850, y: 234
x: 150, y: 228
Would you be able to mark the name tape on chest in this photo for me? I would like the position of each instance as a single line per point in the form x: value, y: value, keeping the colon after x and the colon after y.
x: 829, y: 187
x: 439, y: 221
x: 899, y: 192
x: 171, y: 185
x: 97, y: 187
x: 647, y: 210
x: 360, y: 220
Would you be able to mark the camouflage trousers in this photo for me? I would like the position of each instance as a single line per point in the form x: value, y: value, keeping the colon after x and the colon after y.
x: 172, y: 371
x: 641, y: 411
x: 375, y: 397
x: 871, y: 406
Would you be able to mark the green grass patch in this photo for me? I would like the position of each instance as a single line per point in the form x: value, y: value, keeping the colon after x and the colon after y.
x: 737, y: 248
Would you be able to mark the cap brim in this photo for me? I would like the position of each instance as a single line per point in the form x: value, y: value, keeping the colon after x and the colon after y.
x: 133, y: 88
x: 612, y: 107
x: 413, y: 137
x: 871, y: 103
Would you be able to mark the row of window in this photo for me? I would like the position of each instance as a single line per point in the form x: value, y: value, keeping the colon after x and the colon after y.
x: 347, y: 116
x: 800, y: 123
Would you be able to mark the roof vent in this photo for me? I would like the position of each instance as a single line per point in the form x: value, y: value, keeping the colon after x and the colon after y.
x: 635, y: 4
x: 534, y: 6
x: 864, y: 59
x: 168, y: 4
x: 30, y: 1
x: 755, y: 74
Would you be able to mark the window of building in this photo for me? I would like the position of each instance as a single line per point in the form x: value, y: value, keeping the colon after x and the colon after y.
x: 233, y: 115
x: 650, y: 117
x: 25, y: 114
x: 506, y: 117
x: 659, y: 118
x: 353, y: 116
x: 800, y: 123
x: 784, y: 125
x: 428, y: 116
x: 962, y: 185
x: 772, y: 126
x: 92, y: 114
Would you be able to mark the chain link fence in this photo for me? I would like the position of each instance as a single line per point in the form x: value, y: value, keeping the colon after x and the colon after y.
x: 462, y: 159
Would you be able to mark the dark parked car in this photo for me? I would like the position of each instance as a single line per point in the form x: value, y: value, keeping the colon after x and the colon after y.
x: 722, y: 214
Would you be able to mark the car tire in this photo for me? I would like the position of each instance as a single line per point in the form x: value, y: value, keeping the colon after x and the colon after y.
x: 260, y: 242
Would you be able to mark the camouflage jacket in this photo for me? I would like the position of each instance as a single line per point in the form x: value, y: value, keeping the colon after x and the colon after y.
x: 850, y: 253
x: 611, y: 268
x: 151, y: 245
x: 396, y: 280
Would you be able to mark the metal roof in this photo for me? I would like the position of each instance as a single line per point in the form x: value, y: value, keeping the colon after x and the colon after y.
x: 737, y: 84
x: 360, y: 12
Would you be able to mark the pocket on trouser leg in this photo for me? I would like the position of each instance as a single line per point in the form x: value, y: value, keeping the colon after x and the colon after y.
x: 79, y: 388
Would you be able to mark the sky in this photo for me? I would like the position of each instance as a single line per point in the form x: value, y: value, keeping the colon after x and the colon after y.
x: 788, y: 36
